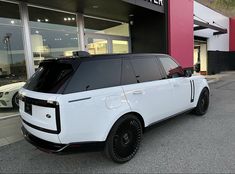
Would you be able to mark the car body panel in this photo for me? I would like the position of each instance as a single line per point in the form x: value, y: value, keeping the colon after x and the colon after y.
x: 181, y: 95
x: 87, y: 123
x: 89, y: 116
x: 39, y: 115
x: 151, y: 99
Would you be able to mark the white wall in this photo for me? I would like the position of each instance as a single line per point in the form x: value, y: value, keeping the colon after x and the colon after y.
x: 218, y: 42
x: 203, y: 56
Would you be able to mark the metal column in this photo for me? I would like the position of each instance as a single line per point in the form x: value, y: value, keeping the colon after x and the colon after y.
x: 81, y: 33
x: 26, y: 39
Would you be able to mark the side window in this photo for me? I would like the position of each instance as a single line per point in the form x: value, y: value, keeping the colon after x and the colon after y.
x: 173, y: 70
x: 146, y: 69
x: 128, y: 75
x: 95, y: 74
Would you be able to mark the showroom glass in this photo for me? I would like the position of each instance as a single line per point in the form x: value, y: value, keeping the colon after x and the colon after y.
x: 97, y: 46
x: 12, y: 58
x: 104, y: 36
x: 120, y: 46
x: 106, y: 27
x: 53, y: 34
x: 173, y: 70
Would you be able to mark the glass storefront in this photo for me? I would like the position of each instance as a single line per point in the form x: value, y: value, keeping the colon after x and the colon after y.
x: 120, y: 46
x: 105, y: 36
x: 12, y: 59
x: 53, y: 34
x: 107, y: 27
x: 97, y: 46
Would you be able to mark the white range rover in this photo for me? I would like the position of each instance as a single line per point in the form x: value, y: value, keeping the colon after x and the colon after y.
x: 106, y: 101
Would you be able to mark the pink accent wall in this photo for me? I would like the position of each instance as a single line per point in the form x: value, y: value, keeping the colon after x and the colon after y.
x: 232, y: 35
x: 180, y: 31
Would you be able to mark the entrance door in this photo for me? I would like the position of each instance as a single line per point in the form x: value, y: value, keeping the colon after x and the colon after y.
x: 106, y: 44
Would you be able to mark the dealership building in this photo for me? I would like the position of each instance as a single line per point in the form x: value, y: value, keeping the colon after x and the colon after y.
x: 32, y: 31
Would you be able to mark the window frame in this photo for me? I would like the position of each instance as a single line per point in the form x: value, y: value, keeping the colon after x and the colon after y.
x: 127, y: 58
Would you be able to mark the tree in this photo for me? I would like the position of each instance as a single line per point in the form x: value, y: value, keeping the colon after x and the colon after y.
x: 226, y: 7
x: 228, y: 4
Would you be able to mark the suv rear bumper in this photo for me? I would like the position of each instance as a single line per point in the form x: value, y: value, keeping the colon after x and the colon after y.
x: 50, y: 147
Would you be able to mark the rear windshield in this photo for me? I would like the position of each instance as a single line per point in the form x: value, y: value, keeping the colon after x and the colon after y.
x: 51, y: 77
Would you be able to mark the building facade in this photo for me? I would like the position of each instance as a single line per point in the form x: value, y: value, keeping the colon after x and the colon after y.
x: 33, y: 31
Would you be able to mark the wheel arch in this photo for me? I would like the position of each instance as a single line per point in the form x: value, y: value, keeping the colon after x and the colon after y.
x: 140, y: 118
x: 13, y: 96
x: 200, y: 85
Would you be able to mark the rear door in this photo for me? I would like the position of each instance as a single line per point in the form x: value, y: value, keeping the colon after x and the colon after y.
x: 94, y: 95
x: 182, y: 86
x: 144, y: 88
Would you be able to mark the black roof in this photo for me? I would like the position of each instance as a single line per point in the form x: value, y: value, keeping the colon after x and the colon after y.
x: 76, y: 59
x: 101, y: 56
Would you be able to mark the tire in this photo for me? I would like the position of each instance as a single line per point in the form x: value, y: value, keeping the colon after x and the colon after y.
x: 203, y: 103
x: 124, y: 139
x: 15, y: 101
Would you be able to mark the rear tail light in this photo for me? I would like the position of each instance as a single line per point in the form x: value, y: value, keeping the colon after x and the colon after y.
x: 52, y: 102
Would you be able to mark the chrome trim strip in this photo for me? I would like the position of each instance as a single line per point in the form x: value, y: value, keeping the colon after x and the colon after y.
x: 82, y: 99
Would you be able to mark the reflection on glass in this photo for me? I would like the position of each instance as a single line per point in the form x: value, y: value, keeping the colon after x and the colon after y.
x: 99, y: 26
x: 12, y: 59
x: 97, y: 46
x: 120, y: 46
x: 53, y: 34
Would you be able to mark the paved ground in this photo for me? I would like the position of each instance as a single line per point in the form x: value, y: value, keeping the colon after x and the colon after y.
x: 184, y: 144
x: 10, y: 131
x: 8, y: 112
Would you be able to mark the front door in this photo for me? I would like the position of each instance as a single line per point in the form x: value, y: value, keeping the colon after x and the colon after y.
x: 148, y: 94
x: 181, y: 86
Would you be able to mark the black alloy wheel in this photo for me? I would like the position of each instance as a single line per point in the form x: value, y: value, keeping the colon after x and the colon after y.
x: 203, y: 103
x: 124, y: 139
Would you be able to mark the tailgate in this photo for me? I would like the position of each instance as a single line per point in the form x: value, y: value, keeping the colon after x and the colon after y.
x: 40, y: 113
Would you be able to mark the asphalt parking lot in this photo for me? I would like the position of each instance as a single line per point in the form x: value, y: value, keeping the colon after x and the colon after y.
x: 8, y: 112
x: 184, y: 144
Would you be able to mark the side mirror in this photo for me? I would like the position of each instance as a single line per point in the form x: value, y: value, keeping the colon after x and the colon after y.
x: 188, y: 73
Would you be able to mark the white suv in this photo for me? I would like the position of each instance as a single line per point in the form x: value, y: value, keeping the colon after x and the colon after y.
x: 106, y: 101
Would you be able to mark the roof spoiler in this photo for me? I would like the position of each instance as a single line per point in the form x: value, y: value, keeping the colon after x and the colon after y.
x: 81, y: 54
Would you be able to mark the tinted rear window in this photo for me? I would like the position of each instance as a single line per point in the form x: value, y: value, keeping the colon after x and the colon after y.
x: 128, y: 75
x: 95, y: 74
x: 50, y: 77
x: 146, y: 68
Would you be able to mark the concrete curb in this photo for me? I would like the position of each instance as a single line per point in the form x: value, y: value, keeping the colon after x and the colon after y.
x: 9, y: 117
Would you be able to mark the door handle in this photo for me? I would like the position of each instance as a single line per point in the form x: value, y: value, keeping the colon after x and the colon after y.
x: 138, y: 92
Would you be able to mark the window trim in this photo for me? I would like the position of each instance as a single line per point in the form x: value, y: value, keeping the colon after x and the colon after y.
x: 127, y: 58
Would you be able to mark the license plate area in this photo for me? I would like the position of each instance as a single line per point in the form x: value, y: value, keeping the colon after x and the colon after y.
x: 28, y: 108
